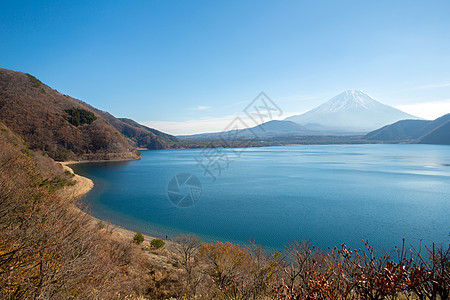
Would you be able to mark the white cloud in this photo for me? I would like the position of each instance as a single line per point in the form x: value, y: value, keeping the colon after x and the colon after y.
x: 200, y: 107
x: 432, y: 86
x: 427, y: 110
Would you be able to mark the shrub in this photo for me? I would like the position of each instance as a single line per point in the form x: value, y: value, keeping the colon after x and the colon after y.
x: 138, y: 238
x: 61, y: 154
x: 78, y: 116
x: 157, y: 243
x: 100, y: 224
x: 68, y: 173
x: 25, y: 151
x: 56, y: 183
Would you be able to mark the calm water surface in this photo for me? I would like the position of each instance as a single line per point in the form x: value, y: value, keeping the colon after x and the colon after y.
x: 329, y: 194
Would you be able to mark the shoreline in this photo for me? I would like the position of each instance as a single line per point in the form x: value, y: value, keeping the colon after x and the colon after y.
x: 83, y: 186
x: 74, y: 162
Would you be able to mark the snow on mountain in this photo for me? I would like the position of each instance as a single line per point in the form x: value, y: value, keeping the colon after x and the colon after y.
x: 350, y: 112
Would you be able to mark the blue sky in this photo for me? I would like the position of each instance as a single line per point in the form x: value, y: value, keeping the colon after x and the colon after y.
x: 190, y: 66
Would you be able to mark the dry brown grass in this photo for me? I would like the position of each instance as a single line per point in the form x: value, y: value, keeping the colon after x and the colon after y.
x: 48, y: 250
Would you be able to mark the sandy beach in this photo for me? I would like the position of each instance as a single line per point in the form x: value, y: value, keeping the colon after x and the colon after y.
x: 82, y: 187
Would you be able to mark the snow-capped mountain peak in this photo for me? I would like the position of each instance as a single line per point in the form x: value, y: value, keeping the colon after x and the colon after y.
x: 348, y: 100
x: 350, y: 111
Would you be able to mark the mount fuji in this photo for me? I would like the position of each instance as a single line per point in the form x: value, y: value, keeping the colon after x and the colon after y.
x: 350, y: 112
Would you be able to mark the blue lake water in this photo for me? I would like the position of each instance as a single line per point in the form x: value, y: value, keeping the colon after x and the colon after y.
x: 329, y: 194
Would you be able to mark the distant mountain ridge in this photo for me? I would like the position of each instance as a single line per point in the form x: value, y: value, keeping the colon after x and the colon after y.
x: 140, y: 135
x: 415, y: 131
x: 350, y: 112
x: 266, y: 130
x: 165, y: 137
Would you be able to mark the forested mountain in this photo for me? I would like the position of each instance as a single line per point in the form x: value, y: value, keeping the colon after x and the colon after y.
x: 66, y: 128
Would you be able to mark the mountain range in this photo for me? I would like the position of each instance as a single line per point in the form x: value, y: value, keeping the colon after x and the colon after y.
x: 349, y: 112
x: 270, y: 129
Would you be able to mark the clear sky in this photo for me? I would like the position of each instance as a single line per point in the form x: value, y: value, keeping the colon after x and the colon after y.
x: 189, y: 66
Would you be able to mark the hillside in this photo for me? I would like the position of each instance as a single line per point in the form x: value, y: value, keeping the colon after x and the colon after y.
x: 164, y: 137
x: 414, y: 131
x: 48, y: 249
x: 62, y: 127
x: 438, y: 132
x: 404, y: 130
x: 350, y: 112
x: 142, y: 136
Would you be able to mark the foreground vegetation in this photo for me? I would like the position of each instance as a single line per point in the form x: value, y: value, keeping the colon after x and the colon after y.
x: 50, y: 250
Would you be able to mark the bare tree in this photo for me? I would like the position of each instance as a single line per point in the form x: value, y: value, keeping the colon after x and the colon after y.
x: 187, y: 246
x: 296, y: 263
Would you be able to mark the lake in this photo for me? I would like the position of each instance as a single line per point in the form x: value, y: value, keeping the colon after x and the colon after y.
x: 329, y: 194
